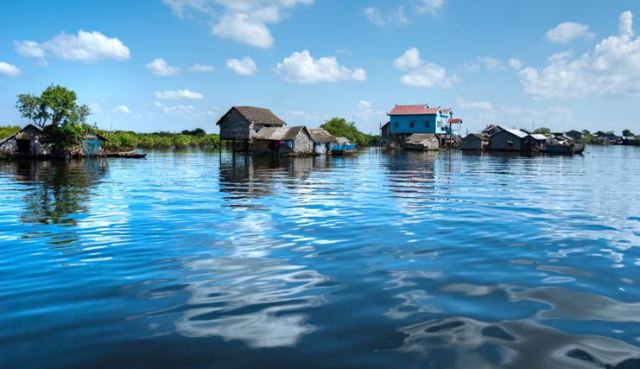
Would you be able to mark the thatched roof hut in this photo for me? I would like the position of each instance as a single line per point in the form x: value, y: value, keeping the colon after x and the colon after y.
x: 242, y: 122
x: 321, y: 136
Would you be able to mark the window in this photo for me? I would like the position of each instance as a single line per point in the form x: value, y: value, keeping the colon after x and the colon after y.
x: 412, y: 124
x: 426, y: 124
x: 396, y: 124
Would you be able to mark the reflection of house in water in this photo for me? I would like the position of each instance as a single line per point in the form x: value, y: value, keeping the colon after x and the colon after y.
x: 58, y: 189
x: 257, y: 175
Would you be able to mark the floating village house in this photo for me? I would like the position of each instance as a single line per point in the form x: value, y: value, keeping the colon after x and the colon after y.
x: 475, y: 141
x: 241, y: 123
x: 26, y: 142
x: 283, y: 141
x: 405, y: 120
x: 507, y: 139
x: 322, y: 140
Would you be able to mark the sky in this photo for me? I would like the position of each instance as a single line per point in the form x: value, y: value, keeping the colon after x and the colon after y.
x: 169, y: 65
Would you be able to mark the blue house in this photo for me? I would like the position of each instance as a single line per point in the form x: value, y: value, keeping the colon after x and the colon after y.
x: 410, y: 119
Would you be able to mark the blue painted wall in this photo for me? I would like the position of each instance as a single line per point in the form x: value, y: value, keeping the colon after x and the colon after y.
x: 401, y: 124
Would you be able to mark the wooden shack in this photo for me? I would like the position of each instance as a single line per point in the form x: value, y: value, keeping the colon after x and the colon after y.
x: 422, y: 142
x: 27, y: 142
x: 508, y: 139
x: 475, y: 141
x: 534, y: 142
x: 322, y: 140
x: 241, y: 123
x: 293, y: 141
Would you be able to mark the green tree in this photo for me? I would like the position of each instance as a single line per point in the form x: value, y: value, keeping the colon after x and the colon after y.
x: 339, y: 127
x: 543, y: 130
x: 56, y: 106
x: 628, y: 133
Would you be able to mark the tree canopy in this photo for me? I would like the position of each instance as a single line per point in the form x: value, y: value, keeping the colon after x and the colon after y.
x: 56, y: 106
x: 339, y: 127
x: 628, y: 133
x: 543, y: 130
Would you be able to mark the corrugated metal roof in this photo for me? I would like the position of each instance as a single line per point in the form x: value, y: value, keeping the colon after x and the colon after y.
x: 278, y: 133
x: 538, y: 136
x: 342, y: 140
x: 515, y: 132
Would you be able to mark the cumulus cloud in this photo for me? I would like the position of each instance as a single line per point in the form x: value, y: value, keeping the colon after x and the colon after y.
x: 178, y: 95
x: 611, y: 68
x: 123, y: 109
x: 244, y: 67
x: 159, y: 66
x: 87, y: 47
x: 245, y: 21
x: 421, y: 73
x: 201, y: 68
x: 301, y: 67
x: 409, y: 60
x: 569, y: 31
x: 9, y: 69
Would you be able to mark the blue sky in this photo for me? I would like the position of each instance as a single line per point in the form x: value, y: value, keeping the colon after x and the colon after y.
x: 178, y: 64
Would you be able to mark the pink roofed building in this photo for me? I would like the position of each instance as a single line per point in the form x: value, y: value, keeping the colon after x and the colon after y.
x: 422, y: 118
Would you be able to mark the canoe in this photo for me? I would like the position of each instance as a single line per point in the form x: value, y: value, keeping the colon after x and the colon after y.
x: 127, y: 155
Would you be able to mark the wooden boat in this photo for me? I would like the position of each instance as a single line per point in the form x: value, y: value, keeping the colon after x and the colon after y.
x: 571, y: 149
x: 126, y: 155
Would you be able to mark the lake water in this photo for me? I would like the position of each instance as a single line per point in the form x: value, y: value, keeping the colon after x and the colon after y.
x: 411, y: 260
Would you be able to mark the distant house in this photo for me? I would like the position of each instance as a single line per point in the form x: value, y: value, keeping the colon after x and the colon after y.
x: 25, y: 142
x: 283, y: 141
x: 243, y: 122
x: 322, y: 140
x: 534, y: 142
x: 422, y: 142
x: 575, y: 135
x: 475, y: 141
x: 508, y: 139
x: 406, y: 120
x: 384, y: 130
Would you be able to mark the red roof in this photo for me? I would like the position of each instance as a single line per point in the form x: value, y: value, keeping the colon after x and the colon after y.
x: 413, y: 110
x: 446, y: 111
x: 455, y: 121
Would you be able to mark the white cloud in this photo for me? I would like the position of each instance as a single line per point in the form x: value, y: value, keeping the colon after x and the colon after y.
x: 244, y: 67
x: 409, y: 60
x: 202, y: 68
x: 483, y: 63
x: 374, y: 15
x: 244, y: 21
x: 181, y: 109
x: 88, y: 47
x: 515, y: 64
x: 9, y: 69
x: 421, y: 73
x: 160, y: 67
x: 123, y: 109
x: 301, y: 67
x: 95, y: 108
x: 612, y: 68
x: 367, y: 116
x: 179, y: 95
x: 429, y: 6
x: 31, y: 49
x: 474, y: 105
x: 569, y: 31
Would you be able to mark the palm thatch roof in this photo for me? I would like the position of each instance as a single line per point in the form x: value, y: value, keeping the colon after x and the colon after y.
x: 256, y: 115
x: 279, y: 133
x: 321, y: 136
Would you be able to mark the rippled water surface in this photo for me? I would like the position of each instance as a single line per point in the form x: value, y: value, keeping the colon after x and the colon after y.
x: 449, y: 260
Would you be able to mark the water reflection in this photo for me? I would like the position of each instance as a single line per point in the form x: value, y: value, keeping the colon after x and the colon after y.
x: 58, y: 189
